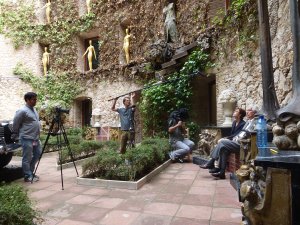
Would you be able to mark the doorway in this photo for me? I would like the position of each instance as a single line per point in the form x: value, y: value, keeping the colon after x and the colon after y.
x: 86, y: 112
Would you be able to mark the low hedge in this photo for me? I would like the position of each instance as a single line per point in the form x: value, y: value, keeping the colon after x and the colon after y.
x: 15, y: 207
x: 134, y: 164
x: 84, y: 150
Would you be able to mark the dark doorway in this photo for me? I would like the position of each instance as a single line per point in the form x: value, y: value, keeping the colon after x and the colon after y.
x: 86, y: 106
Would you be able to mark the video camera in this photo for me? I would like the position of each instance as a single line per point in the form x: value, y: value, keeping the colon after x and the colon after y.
x: 180, y: 115
x: 59, y: 110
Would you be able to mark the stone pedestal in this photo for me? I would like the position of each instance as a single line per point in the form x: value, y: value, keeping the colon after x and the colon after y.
x: 228, y: 108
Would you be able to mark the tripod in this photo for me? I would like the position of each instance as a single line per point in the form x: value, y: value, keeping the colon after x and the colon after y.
x: 57, y: 129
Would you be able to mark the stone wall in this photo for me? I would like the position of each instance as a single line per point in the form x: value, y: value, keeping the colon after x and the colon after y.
x: 12, y: 89
x: 239, y: 73
x: 243, y: 74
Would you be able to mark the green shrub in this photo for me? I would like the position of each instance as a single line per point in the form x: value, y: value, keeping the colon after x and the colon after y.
x: 194, y: 130
x: 132, y: 165
x: 74, y: 131
x: 15, y: 206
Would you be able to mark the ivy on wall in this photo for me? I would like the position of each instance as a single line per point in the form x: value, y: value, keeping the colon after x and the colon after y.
x: 238, y: 28
x: 59, y: 88
x: 160, y: 100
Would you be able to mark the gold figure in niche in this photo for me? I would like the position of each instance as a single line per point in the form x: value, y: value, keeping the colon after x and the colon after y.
x: 90, y: 50
x: 88, y: 6
x: 46, y: 60
x: 48, y: 11
x: 126, y: 45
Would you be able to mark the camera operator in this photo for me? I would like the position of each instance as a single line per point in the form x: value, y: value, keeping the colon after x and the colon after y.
x: 177, y: 130
x: 127, y: 121
x: 26, y: 124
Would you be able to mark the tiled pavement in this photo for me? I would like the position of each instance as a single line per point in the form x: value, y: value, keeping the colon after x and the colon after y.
x: 183, y: 194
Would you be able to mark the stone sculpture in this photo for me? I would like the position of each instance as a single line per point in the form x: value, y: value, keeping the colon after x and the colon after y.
x: 46, y: 61
x: 171, y: 34
x: 91, y: 51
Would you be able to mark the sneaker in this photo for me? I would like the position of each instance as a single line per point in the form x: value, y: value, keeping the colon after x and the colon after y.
x: 31, y: 179
x: 180, y: 160
x: 171, y: 156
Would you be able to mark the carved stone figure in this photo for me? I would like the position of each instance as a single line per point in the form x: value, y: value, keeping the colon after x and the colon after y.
x: 46, y: 61
x: 126, y: 45
x: 91, y: 51
x: 158, y: 53
x: 171, y: 34
x: 48, y: 11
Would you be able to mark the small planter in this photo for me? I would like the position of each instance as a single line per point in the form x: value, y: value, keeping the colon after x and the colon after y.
x: 131, y: 185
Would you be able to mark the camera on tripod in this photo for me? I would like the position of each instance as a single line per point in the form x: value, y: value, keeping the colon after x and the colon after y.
x: 59, y: 110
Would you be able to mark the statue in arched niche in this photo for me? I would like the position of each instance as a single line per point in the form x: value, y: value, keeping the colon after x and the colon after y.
x: 171, y: 34
x: 88, y: 6
x: 46, y: 61
x: 126, y: 45
x: 91, y: 51
x: 48, y: 11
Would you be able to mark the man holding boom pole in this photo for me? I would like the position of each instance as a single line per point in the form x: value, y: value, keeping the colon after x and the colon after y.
x: 127, y: 120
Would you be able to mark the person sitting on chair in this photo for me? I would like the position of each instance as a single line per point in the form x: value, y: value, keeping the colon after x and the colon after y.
x: 226, y: 146
x: 183, y: 146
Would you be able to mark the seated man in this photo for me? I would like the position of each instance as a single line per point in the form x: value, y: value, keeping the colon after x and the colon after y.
x: 226, y: 146
x: 183, y: 146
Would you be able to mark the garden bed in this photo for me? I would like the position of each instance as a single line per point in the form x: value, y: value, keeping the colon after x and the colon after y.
x: 131, y: 185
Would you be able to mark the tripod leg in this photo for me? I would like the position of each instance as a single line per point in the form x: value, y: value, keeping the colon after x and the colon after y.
x: 58, y: 138
x: 44, y: 147
x: 68, y: 146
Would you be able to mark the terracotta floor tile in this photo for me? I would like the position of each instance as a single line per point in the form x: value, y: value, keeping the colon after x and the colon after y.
x: 119, y: 217
x: 133, y: 204
x: 227, y: 214
x: 89, y: 214
x: 150, y: 219
x: 107, y: 203
x: 202, y: 191
x: 158, y: 208
x: 96, y: 191
x: 198, y: 199
x: 221, y: 200
x: 194, y: 212
x: 82, y: 199
x: 169, y: 197
x: 185, y: 176
x: 41, y: 194
x: 204, y: 183
x: 63, y: 211
x: 187, y: 221
x: 73, y: 222
x: 224, y: 223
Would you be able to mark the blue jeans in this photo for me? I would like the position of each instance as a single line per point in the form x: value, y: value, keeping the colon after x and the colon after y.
x: 182, y: 148
x: 30, y: 156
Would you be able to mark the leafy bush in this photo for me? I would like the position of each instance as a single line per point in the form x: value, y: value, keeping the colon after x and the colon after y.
x: 194, y: 130
x: 15, y: 207
x: 132, y: 165
x: 74, y: 131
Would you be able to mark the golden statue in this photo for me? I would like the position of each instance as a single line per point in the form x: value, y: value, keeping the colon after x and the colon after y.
x: 126, y: 45
x: 90, y: 50
x: 48, y: 11
x: 88, y: 6
x: 46, y: 60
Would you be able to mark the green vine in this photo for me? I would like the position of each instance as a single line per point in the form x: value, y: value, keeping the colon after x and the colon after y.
x: 158, y: 101
x: 238, y: 27
x: 56, y: 88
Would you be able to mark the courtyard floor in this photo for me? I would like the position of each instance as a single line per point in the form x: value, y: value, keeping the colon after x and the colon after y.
x: 183, y: 194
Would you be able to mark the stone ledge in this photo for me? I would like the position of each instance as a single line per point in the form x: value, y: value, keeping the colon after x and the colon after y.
x: 131, y: 185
